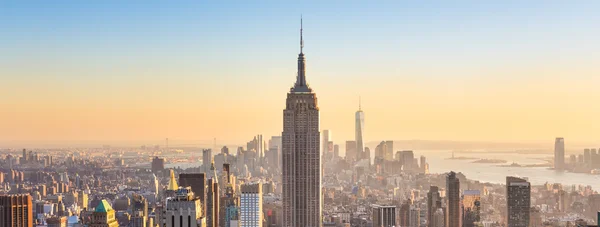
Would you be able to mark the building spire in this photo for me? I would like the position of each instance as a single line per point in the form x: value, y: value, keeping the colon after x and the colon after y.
x: 301, y: 85
x: 301, y: 40
x: 359, y: 106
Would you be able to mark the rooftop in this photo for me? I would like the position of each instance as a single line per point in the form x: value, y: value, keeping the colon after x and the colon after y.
x: 103, y: 207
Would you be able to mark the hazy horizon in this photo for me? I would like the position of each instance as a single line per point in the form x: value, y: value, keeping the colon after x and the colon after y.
x: 478, y: 71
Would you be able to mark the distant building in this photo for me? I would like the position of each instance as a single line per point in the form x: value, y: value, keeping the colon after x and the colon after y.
x: 103, y: 216
x: 389, y: 152
x: 559, y: 153
x: 16, y: 210
x: 325, y: 138
x: 518, y: 202
x: 251, y: 205
x: 351, y: 152
x: 206, y: 159
x: 384, y: 216
x: 158, y: 164
x: 212, y: 198
x: 359, y: 131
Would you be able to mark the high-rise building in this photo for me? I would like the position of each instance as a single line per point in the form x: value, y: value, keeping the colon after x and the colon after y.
x: 212, y: 198
x: 16, y: 210
x: 434, y: 202
x: 158, y: 164
x: 587, y: 158
x: 380, y: 152
x: 471, y: 207
x: 518, y: 202
x: 414, y: 216
x: 351, y: 152
x: 559, y: 153
x: 206, y: 159
x: 384, y: 216
x: 404, y: 214
x: 251, y: 205
x: 197, y: 181
x: 225, y: 150
x: 408, y: 159
x: 453, y: 216
x: 184, y: 210
x: 389, y: 150
x: 302, y: 197
x: 104, y: 216
x: 438, y: 218
x: 229, y: 203
x: 325, y: 150
x: 359, y: 128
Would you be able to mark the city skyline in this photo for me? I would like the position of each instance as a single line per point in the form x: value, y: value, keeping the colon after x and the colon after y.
x: 462, y: 101
x: 450, y: 72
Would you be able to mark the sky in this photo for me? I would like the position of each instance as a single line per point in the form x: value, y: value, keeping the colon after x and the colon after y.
x: 428, y: 70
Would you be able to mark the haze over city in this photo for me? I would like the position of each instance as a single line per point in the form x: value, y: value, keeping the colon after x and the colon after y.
x: 299, y: 114
x: 139, y: 72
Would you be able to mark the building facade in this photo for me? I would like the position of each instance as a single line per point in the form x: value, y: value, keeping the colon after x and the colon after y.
x: 251, y: 205
x: 384, y: 216
x: 559, y: 153
x: 184, y: 210
x: 16, y: 211
x: 518, y: 202
x: 302, y: 198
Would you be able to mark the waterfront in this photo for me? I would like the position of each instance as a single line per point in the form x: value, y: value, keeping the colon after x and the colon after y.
x: 486, y: 172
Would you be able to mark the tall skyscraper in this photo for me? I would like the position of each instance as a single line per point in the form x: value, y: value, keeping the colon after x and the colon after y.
x: 15, y: 210
x: 206, y: 159
x: 212, y: 198
x: 453, y: 216
x: 559, y: 153
x: 251, y: 205
x: 434, y: 202
x: 325, y: 150
x: 302, y: 198
x: 384, y: 216
x: 518, y: 202
x: 359, y: 130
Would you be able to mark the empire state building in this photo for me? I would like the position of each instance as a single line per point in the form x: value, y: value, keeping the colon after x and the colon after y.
x: 302, y: 199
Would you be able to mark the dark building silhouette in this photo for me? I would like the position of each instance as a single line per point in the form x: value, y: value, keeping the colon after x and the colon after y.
x: 453, y: 216
x: 158, y: 164
x: 197, y: 181
x: 518, y: 202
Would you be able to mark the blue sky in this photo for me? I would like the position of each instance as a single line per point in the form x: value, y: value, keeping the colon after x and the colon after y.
x: 422, y: 56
